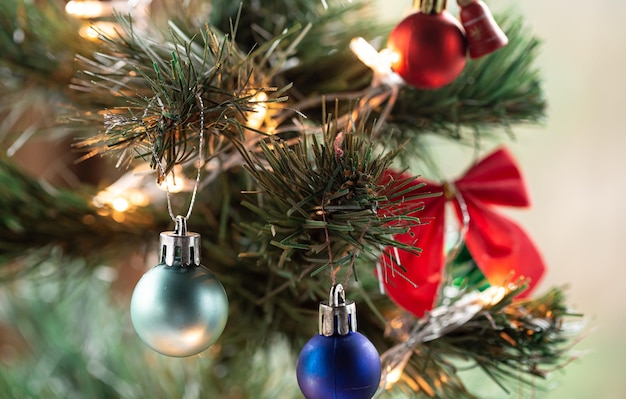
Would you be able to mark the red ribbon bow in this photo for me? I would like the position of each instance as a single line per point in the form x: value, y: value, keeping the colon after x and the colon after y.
x: 501, y: 249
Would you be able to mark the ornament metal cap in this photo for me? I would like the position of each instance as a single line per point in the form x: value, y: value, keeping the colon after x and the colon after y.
x: 430, y: 6
x: 180, y: 245
x: 337, y: 316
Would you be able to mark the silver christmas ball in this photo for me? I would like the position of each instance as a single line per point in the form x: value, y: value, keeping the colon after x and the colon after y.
x: 179, y: 310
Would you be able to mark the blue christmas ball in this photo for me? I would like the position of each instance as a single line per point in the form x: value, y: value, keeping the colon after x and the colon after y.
x: 339, y: 367
x: 179, y: 310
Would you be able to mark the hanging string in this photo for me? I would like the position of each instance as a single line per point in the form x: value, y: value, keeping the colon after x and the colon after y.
x: 355, y: 254
x: 333, y: 272
x: 199, y: 162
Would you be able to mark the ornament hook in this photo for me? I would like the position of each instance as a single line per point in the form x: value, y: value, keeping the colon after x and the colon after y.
x: 180, y: 245
x: 430, y: 6
x: 337, y: 316
x: 181, y: 225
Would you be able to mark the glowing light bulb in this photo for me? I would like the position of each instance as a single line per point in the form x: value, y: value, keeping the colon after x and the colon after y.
x: 93, y: 30
x: 256, y: 118
x: 379, y: 62
x: 394, y: 371
x: 85, y: 9
x: 364, y: 51
x: 138, y: 198
x: 388, y: 57
x: 492, y: 295
x: 175, y: 182
x: 88, y: 32
x: 120, y: 204
x: 394, y: 375
x: 94, y: 10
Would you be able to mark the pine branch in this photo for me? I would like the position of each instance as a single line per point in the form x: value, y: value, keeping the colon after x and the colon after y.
x: 36, y: 218
x: 487, y: 99
x: 39, y: 40
x: 501, y: 90
x: 314, y: 193
x: 518, y: 335
x: 503, y: 336
x: 332, y: 27
x: 40, y: 223
x: 496, y: 91
x: 320, y: 201
x: 169, y: 88
x: 79, y: 338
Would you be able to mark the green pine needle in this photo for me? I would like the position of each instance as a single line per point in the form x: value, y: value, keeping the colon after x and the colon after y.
x: 163, y: 90
x: 511, y: 340
x: 57, y: 220
x: 316, y: 193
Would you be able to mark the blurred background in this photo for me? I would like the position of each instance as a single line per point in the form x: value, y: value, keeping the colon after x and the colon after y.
x: 575, y: 166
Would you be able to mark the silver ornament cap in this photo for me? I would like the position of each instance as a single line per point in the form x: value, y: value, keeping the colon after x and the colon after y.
x: 337, y: 316
x: 180, y: 245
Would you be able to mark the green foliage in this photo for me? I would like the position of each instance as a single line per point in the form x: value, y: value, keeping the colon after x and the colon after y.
x: 80, y: 343
x: 510, y: 340
x: 46, y: 218
x: 171, y: 90
x: 329, y: 29
x: 39, y: 41
x: 160, y: 81
x: 495, y: 91
x: 322, y: 204
x: 76, y: 340
x: 327, y: 201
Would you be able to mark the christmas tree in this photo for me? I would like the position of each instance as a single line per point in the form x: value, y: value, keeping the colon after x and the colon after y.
x: 294, y: 138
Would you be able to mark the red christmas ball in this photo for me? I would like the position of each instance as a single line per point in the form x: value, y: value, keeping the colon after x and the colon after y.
x: 430, y: 49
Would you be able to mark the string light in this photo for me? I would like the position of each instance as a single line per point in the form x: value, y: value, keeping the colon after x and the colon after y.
x: 96, y: 11
x: 134, y: 189
x: 93, y: 30
x: 120, y: 201
x: 139, y: 198
x: 437, y: 323
x: 379, y: 61
x: 88, y: 9
x: 120, y: 204
x: 492, y: 295
x: 256, y: 117
x: 393, y: 372
x: 176, y: 182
